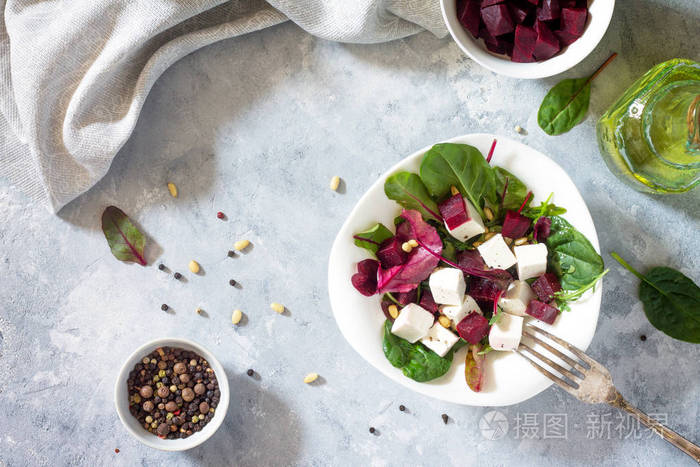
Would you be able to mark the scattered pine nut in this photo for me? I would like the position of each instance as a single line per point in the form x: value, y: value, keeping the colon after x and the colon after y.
x: 277, y: 307
x: 413, y: 243
x: 520, y: 130
x: 310, y: 378
x: 198, y: 310
x: 454, y: 190
x: 172, y: 189
x: 444, y: 321
x: 489, y: 213
x: 236, y: 316
x: 241, y: 245
x: 521, y: 241
x: 335, y: 183
x: 194, y: 266
x: 489, y: 235
x: 406, y: 247
x: 393, y: 311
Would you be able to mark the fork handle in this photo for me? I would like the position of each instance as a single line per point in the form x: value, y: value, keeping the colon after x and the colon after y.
x: 669, y: 435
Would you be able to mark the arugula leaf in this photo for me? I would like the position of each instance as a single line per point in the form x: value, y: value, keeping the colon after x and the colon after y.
x: 566, y: 104
x: 415, y: 360
x: 449, y: 164
x: 371, y: 238
x: 671, y: 301
x: 572, y: 256
x: 513, y: 193
x: 545, y: 209
x: 123, y: 238
x: 408, y: 190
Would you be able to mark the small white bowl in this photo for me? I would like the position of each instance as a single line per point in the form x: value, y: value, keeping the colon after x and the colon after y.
x: 121, y: 397
x: 599, y: 15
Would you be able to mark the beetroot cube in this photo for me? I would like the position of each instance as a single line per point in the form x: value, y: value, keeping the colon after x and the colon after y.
x: 547, y: 44
x: 365, y: 280
x: 490, y: 2
x: 404, y: 298
x: 542, y: 311
x: 573, y: 20
x: 473, y: 328
x: 471, y: 259
x: 515, y: 225
x: 470, y: 16
x: 497, y: 19
x: 542, y: 229
x: 518, y: 13
x: 483, y: 289
x: 534, y: 2
x: 428, y: 302
x: 565, y: 38
x: 525, y: 40
x: 546, y: 286
x: 549, y: 10
x: 454, y: 211
x: 390, y: 253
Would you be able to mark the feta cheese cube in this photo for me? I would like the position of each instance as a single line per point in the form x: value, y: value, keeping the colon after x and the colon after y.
x: 447, y: 286
x: 412, y: 323
x: 439, y: 339
x: 506, y: 333
x: 458, y: 312
x: 496, y: 253
x: 473, y: 227
x: 532, y: 260
x: 517, y: 298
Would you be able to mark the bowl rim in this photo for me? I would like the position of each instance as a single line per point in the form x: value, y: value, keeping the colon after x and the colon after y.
x: 546, y: 68
x: 147, y: 438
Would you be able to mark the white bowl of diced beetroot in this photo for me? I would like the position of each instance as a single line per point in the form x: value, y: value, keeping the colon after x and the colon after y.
x: 527, y: 38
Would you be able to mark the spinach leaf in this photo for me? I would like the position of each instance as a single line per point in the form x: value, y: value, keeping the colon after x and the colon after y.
x: 545, y: 209
x: 671, y: 301
x: 448, y: 164
x: 564, y: 297
x: 371, y: 238
x: 566, y: 104
x: 123, y: 238
x: 415, y: 360
x: 515, y: 190
x: 572, y: 256
x: 408, y: 190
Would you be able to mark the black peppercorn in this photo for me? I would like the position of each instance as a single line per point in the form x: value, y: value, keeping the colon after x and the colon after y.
x: 161, y: 266
x: 164, y: 307
x: 643, y: 337
x: 402, y: 408
x: 250, y: 372
x: 231, y: 253
x: 177, y: 275
x: 372, y: 430
x: 445, y: 418
x: 232, y: 283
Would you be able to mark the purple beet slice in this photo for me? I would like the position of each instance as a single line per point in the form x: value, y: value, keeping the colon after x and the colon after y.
x: 542, y: 228
x: 470, y: 16
x: 565, y: 38
x: 547, y: 44
x: 428, y: 302
x: 454, y: 211
x: 542, y: 311
x: 471, y: 259
x: 497, y: 19
x: 515, y: 225
x: 390, y: 253
x: 546, y: 286
x: 518, y: 13
x: 483, y: 289
x: 548, y: 10
x: 473, y: 328
x: 573, y: 20
x: 365, y: 280
x: 486, y: 3
x: 404, y: 298
x: 525, y: 39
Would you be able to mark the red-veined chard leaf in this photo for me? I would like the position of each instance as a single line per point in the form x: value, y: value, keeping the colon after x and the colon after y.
x: 373, y: 237
x: 408, y: 190
x: 124, y: 239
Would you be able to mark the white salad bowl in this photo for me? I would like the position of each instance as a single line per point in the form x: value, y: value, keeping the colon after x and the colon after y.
x: 599, y: 15
x: 121, y: 397
x: 509, y: 378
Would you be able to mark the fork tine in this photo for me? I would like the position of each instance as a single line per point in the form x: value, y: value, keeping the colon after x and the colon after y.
x: 557, y: 380
x: 575, y: 364
x: 579, y: 353
x: 571, y: 376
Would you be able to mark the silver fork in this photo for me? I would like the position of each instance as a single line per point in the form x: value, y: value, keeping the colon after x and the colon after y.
x: 590, y: 382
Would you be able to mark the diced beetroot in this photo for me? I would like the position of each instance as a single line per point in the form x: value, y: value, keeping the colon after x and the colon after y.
x: 525, y: 39
x: 490, y: 2
x: 470, y: 16
x: 497, y: 19
x: 454, y: 211
x: 548, y: 10
x: 498, y: 45
x: 515, y: 225
x: 542, y: 228
x: 390, y: 253
x: 473, y: 328
x: 385, y: 304
x: 547, y: 44
x: 542, y: 311
x: 404, y: 298
x: 565, y: 38
x: 365, y: 280
x: 518, y: 13
x: 427, y: 301
x: 573, y: 20
x: 484, y: 289
x: 546, y: 286
x: 534, y: 2
x: 567, y: 3
x: 471, y: 259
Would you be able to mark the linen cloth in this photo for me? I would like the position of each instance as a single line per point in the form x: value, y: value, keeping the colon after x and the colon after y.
x: 74, y: 74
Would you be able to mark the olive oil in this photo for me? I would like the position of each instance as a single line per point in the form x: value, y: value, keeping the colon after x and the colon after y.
x: 650, y: 137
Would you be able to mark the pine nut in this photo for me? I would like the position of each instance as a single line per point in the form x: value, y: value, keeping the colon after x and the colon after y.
x: 236, y: 316
x: 413, y: 243
x: 489, y: 213
x: 454, y: 190
x: 489, y: 235
x: 444, y: 321
x: 393, y: 311
x: 310, y: 378
x: 198, y: 311
x: 406, y: 247
x: 172, y: 189
x: 241, y: 245
x: 277, y: 307
x: 508, y: 240
x: 477, y: 244
x: 194, y: 266
x: 521, y: 241
x: 335, y: 183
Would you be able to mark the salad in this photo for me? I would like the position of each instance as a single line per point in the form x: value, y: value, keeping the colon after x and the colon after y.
x: 467, y: 261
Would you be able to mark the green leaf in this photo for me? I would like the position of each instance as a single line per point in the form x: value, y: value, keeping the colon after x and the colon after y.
x: 671, y: 301
x: 571, y: 255
x: 515, y: 192
x: 371, y: 239
x: 408, y: 190
x: 564, y: 106
x: 545, y: 209
x: 448, y: 164
x: 415, y: 360
x: 563, y: 297
x: 123, y: 238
